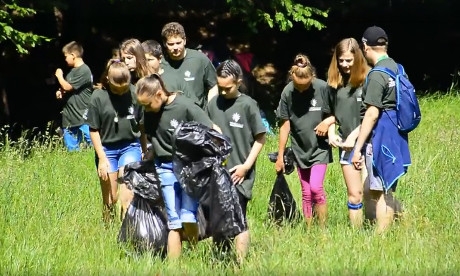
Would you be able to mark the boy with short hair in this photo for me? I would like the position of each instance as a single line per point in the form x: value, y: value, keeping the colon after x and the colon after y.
x: 78, y: 84
x: 153, y: 54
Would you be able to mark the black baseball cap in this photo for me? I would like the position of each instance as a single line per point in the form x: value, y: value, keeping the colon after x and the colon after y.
x: 372, y: 35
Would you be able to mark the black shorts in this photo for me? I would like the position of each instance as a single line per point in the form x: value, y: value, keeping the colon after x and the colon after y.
x: 244, y: 204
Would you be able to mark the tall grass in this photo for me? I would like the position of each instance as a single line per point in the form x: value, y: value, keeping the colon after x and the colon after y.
x: 50, y: 215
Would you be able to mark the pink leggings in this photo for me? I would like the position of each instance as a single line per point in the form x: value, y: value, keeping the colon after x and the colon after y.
x: 311, y: 180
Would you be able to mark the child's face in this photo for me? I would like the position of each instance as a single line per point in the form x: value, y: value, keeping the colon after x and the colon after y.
x: 153, y: 62
x: 129, y: 60
x: 70, y: 59
x: 346, y: 62
x: 228, y: 87
x: 301, y: 84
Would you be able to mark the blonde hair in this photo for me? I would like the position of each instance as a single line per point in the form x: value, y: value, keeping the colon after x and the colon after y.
x: 358, y: 71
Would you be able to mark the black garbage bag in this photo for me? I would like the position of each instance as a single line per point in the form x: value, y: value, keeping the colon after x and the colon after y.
x: 145, y: 225
x: 282, y: 206
x: 142, y: 178
x: 289, y: 160
x: 199, y: 154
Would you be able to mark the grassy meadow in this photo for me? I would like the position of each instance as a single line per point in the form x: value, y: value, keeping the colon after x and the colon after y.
x: 50, y: 217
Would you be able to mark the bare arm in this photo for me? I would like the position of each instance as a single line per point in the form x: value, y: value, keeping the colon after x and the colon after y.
x: 283, y: 138
x: 370, y: 118
x: 64, y: 84
x: 213, y: 92
x: 239, y: 171
x: 103, y: 166
x: 322, y: 128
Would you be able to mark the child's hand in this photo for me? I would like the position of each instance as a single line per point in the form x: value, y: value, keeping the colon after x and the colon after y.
x: 58, y: 94
x: 279, y: 165
x: 103, y: 169
x: 357, y: 160
x: 349, y: 144
x: 238, y: 174
x: 59, y: 73
x: 321, y: 129
x: 335, y: 140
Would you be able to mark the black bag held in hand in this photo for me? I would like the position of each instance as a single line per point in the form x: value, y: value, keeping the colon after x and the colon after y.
x: 199, y: 154
x: 145, y: 224
x: 282, y: 205
x: 289, y: 160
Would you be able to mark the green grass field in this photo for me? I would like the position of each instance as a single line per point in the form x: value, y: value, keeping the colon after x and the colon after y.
x: 50, y: 218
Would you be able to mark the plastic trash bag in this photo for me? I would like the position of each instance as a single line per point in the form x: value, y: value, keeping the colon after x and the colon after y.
x: 282, y: 205
x: 145, y: 225
x: 289, y: 160
x: 199, y: 154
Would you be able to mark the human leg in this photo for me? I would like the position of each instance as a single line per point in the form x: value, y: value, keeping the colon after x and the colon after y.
x: 307, y: 208
x: 172, y: 201
x: 242, y: 240
x: 355, y: 194
x: 318, y: 194
x: 109, y: 189
x: 384, y: 212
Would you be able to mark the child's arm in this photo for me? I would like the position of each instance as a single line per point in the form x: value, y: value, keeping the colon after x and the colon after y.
x: 64, y: 84
x: 334, y: 139
x: 103, y: 165
x: 239, y: 171
x: 322, y: 128
x: 351, y: 139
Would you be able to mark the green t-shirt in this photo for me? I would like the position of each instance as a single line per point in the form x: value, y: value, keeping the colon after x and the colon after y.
x: 81, y: 80
x: 380, y: 91
x: 160, y: 126
x: 116, y: 117
x: 345, y: 104
x: 304, y: 112
x: 240, y: 120
x: 194, y: 75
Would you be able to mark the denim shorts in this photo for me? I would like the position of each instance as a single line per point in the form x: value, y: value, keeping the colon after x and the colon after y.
x: 121, y: 154
x: 73, y: 136
x: 345, y: 157
x: 180, y: 207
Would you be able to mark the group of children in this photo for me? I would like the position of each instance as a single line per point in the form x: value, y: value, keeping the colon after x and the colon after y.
x: 143, y: 96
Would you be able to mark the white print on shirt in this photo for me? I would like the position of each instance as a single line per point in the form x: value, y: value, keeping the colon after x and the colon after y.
x: 236, y: 117
x: 313, y: 106
x: 188, y: 76
x: 391, y: 82
x: 131, y: 112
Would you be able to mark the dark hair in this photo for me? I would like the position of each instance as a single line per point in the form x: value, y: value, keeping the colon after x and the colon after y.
x: 229, y: 68
x: 172, y: 29
x: 152, y: 47
x: 150, y: 85
x: 73, y: 47
x: 302, y: 67
x: 116, y: 72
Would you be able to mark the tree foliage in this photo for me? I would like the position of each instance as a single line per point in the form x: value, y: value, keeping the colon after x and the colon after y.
x: 278, y: 13
x: 23, y: 40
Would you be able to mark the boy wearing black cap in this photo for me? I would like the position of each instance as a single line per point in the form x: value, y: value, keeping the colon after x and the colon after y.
x: 379, y: 137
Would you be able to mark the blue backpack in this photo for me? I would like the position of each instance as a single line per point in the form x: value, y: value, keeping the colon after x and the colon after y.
x: 408, y: 113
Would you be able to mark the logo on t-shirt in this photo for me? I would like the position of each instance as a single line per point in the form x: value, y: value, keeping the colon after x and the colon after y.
x: 391, y: 82
x: 359, y: 95
x: 313, y: 106
x: 188, y: 76
x: 85, y: 114
x: 174, y: 123
x: 236, y: 117
x: 131, y: 113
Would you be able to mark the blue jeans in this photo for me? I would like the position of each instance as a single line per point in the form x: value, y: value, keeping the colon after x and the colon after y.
x: 73, y: 136
x: 180, y: 207
x: 121, y: 154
